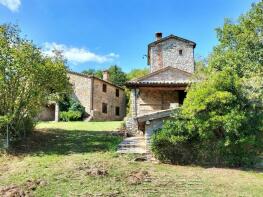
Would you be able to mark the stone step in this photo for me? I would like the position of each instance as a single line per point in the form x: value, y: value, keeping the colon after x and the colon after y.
x: 132, y: 150
x: 132, y: 145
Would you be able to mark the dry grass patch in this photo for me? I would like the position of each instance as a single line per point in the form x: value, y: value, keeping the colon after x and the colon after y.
x: 84, y: 163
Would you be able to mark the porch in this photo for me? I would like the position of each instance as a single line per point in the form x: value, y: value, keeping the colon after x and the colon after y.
x: 154, y: 99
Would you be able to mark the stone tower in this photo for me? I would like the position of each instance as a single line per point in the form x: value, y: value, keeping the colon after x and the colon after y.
x: 171, y: 51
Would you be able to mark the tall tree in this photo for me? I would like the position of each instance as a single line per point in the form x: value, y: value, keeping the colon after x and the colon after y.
x: 221, y: 120
x: 28, y: 80
x: 117, y: 76
x: 241, y: 43
x: 96, y: 73
x: 136, y: 73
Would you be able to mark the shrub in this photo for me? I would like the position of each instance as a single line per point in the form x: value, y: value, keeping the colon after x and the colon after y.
x: 171, y: 148
x: 70, y: 103
x: 217, y: 124
x: 75, y: 105
x: 222, y: 116
x: 71, y: 109
x: 70, y: 116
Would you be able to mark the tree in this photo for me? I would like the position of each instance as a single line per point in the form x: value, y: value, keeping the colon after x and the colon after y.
x: 117, y: 76
x: 28, y: 80
x: 217, y: 123
x: 221, y: 120
x: 136, y: 73
x: 240, y: 44
x: 96, y: 73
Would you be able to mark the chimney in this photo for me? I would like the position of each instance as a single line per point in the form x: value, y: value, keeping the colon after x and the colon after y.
x: 158, y: 36
x: 105, y: 75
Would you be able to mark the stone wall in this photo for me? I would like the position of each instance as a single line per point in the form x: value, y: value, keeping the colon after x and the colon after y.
x: 150, y: 127
x: 151, y: 100
x: 169, y: 74
x: 133, y: 101
x: 166, y: 53
x: 81, y: 90
x: 109, y: 97
x: 47, y: 113
x: 131, y: 125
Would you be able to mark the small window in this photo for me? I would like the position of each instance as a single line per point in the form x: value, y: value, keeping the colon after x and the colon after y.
x: 117, y: 111
x: 117, y: 93
x: 104, y: 108
x: 180, y: 52
x: 104, y: 87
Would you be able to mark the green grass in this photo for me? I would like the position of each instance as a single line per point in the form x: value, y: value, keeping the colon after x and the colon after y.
x: 62, y: 153
x: 83, y: 126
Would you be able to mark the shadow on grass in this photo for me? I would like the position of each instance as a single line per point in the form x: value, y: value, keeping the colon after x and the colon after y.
x: 218, y: 167
x: 63, y: 142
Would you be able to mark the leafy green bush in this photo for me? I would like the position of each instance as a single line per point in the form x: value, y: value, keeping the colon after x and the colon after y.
x: 221, y: 120
x: 168, y: 147
x: 70, y: 103
x: 70, y: 116
x: 71, y: 110
x: 217, y: 124
x: 75, y: 105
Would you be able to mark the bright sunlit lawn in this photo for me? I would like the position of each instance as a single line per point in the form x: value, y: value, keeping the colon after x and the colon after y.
x: 80, y: 159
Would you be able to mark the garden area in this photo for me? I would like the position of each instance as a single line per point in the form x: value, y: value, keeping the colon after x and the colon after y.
x: 80, y: 159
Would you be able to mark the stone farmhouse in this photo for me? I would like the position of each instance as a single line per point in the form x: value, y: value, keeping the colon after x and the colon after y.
x: 102, y: 99
x: 153, y: 96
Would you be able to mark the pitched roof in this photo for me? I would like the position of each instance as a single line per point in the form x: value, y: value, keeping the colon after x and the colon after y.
x: 94, y: 77
x: 168, y: 76
x: 172, y: 36
x: 167, y: 38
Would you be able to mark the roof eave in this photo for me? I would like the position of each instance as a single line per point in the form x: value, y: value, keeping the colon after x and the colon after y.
x: 135, y: 85
x: 94, y: 77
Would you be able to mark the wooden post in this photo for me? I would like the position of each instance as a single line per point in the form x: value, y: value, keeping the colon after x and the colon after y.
x: 7, y: 137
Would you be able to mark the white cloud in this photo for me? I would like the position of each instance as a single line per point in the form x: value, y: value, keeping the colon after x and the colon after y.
x: 77, y: 55
x: 13, y: 5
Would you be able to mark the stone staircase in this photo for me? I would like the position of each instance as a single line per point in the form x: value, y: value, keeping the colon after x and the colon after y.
x: 132, y: 145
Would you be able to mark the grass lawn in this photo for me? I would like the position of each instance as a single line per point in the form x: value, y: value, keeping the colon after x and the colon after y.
x: 82, y: 126
x: 79, y: 159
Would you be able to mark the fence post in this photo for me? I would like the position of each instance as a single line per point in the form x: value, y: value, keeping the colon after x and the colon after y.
x: 7, y: 137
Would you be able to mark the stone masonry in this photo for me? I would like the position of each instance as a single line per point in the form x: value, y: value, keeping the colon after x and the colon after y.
x: 154, y: 96
x: 81, y: 89
x: 172, y: 52
x: 88, y: 90
x: 109, y: 97
x: 151, y: 100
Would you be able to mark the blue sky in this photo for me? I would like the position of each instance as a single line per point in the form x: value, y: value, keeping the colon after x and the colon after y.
x: 99, y: 33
